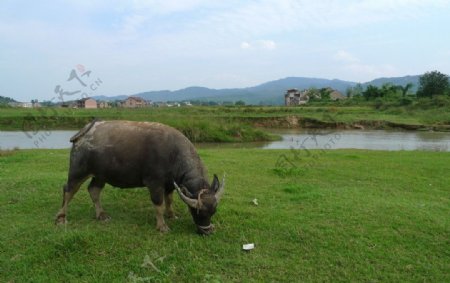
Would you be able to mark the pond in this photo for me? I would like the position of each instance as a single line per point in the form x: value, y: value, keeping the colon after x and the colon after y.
x: 297, y: 139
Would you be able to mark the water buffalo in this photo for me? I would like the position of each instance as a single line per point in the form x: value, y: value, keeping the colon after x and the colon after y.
x: 129, y: 154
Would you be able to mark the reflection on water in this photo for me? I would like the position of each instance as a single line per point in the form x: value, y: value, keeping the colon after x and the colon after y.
x: 373, y: 139
x: 296, y: 139
x: 41, y: 139
x: 432, y: 136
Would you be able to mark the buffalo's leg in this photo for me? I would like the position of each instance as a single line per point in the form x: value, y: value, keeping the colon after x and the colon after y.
x: 161, y: 225
x: 157, y: 197
x: 168, y: 200
x: 95, y: 188
x: 69, y: 190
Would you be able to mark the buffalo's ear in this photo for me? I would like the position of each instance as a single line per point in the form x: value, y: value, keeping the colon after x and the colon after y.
x: 215, y: 184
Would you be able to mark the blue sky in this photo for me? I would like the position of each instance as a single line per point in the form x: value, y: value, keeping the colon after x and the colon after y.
x: 135, y: 46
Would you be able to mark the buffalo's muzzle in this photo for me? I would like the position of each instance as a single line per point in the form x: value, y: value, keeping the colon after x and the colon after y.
x: 205, y: 230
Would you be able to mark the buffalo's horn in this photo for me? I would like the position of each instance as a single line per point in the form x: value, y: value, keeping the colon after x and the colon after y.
x: 186, y: 192
x: 221, y: 189
x: 189, y: 201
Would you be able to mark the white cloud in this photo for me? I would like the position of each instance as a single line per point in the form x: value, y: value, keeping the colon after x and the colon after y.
x: 362, y: 70
x: 131, y: 25
x: 259, y: 45
x: 267, y: 44
x: 166, y: 6
x: 245, y: 45
x: 259, y: 17
x: 345, y: 56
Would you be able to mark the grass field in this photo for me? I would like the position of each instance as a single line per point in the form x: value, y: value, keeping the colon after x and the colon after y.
x: 351, y: 215
x: 231, y: 124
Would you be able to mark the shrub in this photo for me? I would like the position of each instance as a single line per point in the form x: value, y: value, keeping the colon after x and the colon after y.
x: 405, y: 101
x: 379, y: 103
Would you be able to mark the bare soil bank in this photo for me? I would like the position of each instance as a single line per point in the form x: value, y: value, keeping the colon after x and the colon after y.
x: 298, y: 122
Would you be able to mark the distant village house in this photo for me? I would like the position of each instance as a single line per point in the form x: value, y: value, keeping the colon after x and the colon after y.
x: 336, y: 95
x: 135, y: 102
x: 88, y: 103
x: 294, y: 97
x: 32, y: 104
x: 103, y: 104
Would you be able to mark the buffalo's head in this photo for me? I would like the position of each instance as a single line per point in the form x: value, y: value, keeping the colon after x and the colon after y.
x: 203, y: 205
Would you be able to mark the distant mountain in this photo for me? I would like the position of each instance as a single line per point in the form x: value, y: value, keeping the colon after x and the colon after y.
x: 267, y: 93
x: 110, y: 98
x: 273, y: 92
x: 396, y: 81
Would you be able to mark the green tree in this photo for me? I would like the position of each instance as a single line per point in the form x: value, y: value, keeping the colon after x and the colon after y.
x: 240, y: 103
x: 372, y: 92
x: 432, y: 84
x: 405, y: 89
x: 325, y: 93
x: 6, y: 100
x: 313, y: 94
x: 388, y: 90
x: 355, y: 91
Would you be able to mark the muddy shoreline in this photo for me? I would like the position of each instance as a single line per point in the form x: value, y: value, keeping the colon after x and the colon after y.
x: 297, y: 122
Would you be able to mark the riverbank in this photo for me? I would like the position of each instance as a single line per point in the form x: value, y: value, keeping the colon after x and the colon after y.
x: 345, y: 215
x: 233, y: 124
x: 203, y: 127
x: 299, y: 122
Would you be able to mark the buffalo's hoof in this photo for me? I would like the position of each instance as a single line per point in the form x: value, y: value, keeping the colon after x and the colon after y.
x: 103, y: 217
x: 163, y: 228
x: 60, y: 220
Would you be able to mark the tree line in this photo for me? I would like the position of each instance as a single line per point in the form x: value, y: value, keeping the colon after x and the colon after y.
x: 431, y: 84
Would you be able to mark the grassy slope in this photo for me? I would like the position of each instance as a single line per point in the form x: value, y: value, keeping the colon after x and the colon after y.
x: 198, y: 124
x: 353, y: 216
x: 216, y: 117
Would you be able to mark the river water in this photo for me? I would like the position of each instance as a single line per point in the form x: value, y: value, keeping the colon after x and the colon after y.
x: 370, y: 139
x: 297, y: 139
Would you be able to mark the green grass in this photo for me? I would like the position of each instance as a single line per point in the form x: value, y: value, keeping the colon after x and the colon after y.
x: 195, y: 123
x: 233, y: 124
x: 351, y: 215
